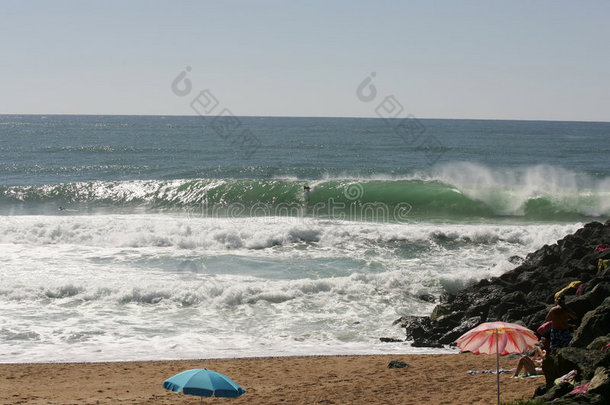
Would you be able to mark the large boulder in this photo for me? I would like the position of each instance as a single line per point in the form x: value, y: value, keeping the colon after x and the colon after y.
x: 590, y: 299
x: 580, y: 399
x: 599, y: 342
x: 600, y: 383
x: 562, y: 361
x: 555, y: 391
x: 595, y: 323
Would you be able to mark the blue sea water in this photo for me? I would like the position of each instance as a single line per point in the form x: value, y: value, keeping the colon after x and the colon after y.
x: 176, y: 239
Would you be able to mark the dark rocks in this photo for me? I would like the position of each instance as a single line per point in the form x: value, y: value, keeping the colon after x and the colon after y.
x: 578, y: 399
x: 427, y: 297
x: 595, y: 323
x: 390, y: 340
x: 525, y: 295
x: 590, y: 300
x: 600, y: 383
x: 517, y: 260
x: 564, y: 360
x: 556, y: 392
x: 592, y: 366
x: 599, y: 342
x: 460, y: 329
x: 439, y: 311
x: 398, y: 364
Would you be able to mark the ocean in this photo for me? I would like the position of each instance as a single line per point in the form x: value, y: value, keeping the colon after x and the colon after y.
x: 152, y: 237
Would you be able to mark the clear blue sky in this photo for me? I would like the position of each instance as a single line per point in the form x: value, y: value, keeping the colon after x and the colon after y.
x: 544, y: 60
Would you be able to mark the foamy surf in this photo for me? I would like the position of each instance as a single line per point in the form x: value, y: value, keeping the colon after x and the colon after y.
x: 118, y: 287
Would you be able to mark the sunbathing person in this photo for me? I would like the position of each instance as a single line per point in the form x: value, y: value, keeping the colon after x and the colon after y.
x: 531, y: 365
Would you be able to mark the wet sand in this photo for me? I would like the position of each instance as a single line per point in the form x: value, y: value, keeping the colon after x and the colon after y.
x: 430, y: 379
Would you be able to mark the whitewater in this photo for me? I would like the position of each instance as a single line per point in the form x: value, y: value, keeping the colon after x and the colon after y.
x: 148, y: 286
x: 128, y: 238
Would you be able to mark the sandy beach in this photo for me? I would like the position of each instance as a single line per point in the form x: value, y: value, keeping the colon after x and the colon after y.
x: 430, y: 379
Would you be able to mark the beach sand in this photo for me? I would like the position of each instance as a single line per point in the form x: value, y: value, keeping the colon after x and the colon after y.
x: 430, y: 379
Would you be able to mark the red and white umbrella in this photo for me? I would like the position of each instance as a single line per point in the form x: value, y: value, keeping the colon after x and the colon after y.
x: 497, y: 337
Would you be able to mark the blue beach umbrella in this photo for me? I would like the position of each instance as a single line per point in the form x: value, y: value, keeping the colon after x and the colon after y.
x: 202, y: 382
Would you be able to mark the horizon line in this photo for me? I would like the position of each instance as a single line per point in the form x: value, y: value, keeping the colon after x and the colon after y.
x: 295, y: 116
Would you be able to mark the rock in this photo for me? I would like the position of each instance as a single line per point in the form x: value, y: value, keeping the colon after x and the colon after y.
x: 516, y: 260
x: 600, y: 383
x: 427, y: 297
x: 562, y: 361
x: 540, y: 391
x: 427, y: 343
x: 590, y: 300
x: 402, y: 321
x: 390, y: 340
x: 595, y: 323
x: 439, y: 311
x: 577, y: 399
x: 599, y: 342
x: 398, y: 364
x: 415, y: 326
x: 556, y: 391
x: 459, y: 330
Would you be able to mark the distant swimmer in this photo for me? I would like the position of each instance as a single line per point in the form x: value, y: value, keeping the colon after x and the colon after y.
x: 61, y: 208
x: 307, y: 189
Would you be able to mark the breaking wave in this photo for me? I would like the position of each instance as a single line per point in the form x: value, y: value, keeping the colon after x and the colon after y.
x: 453, y: 192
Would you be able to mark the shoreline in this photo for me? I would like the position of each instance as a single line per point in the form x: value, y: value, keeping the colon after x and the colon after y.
x: 288, y: 356
x: 430, y: 378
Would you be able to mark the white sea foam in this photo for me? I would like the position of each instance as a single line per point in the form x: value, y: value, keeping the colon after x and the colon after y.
x: 157, y: 286
x: 507, y: 191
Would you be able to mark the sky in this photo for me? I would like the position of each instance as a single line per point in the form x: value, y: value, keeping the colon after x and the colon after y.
x: 530, y: 60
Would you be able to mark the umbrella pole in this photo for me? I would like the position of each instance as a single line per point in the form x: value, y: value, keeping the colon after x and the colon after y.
x: 497, y: 367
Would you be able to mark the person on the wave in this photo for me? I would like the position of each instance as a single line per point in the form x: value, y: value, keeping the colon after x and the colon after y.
x: 561, y: 331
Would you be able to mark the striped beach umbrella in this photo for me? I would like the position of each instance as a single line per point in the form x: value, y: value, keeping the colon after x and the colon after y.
x: 497, y: 338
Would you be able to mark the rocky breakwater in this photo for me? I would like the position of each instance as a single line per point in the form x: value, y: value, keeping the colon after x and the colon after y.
x: 524, y: 295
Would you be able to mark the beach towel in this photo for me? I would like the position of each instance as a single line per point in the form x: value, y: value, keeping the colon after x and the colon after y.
x: 523, y: 376
x: 573, y: 284
x: 580, y: 389
x: 491, y: 371
x: 544, y: 329
x: 602, y: 247
x: 569, y: 378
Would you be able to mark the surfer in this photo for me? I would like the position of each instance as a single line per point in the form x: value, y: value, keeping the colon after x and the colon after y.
x: 61, y: 208
x: 306, y: 189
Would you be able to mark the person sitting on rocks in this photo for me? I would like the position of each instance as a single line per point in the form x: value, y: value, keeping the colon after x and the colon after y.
x: 531, y: 365
x: 561, y: 331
